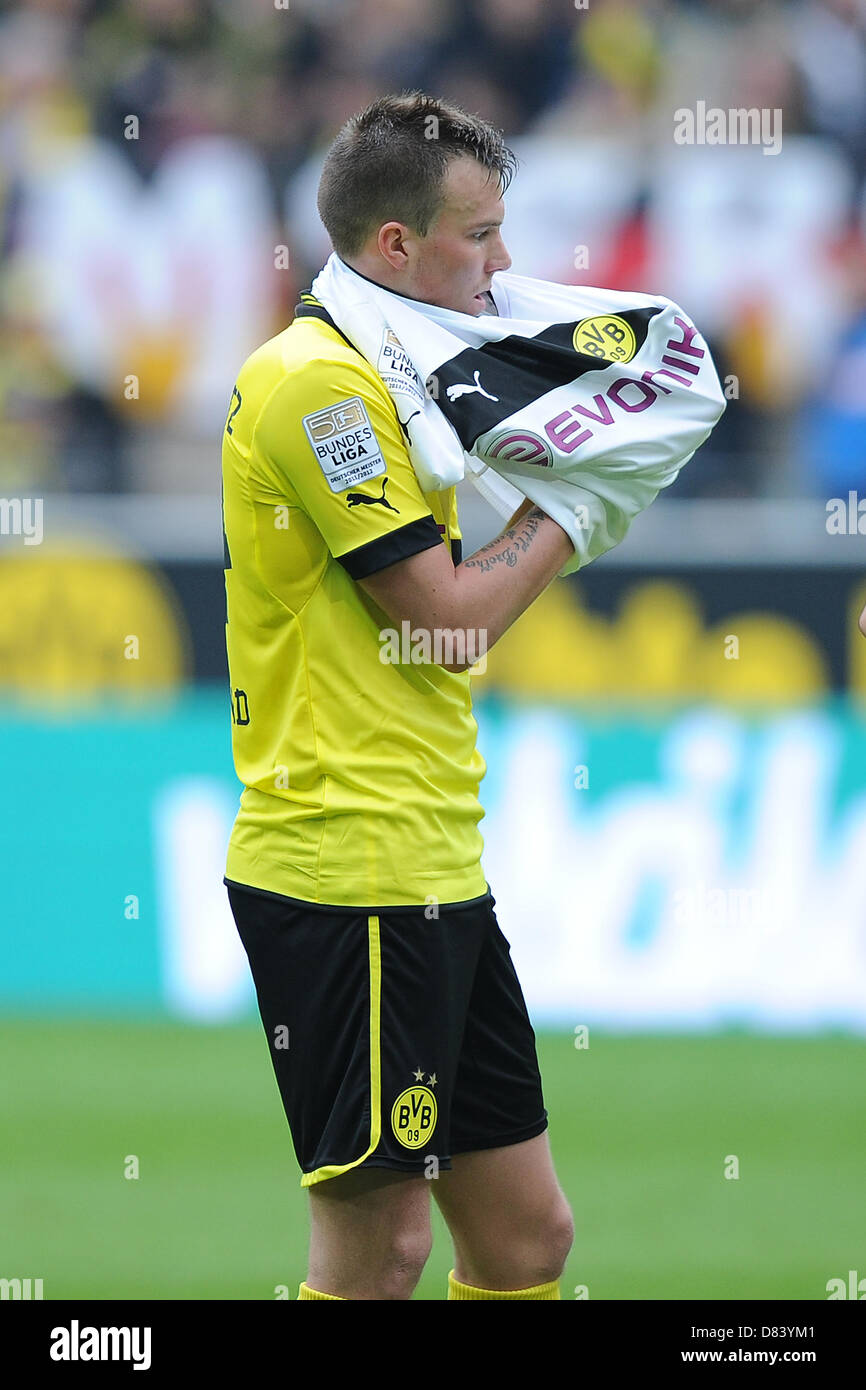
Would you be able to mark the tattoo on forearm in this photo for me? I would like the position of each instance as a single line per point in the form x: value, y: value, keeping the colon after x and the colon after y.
x: 506, y: 549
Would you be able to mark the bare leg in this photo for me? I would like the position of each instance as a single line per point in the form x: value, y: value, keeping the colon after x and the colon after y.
x: 370, y: 1234
x: 510, y: 1223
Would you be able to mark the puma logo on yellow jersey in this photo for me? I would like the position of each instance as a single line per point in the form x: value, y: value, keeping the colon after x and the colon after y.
x: 357, y: 499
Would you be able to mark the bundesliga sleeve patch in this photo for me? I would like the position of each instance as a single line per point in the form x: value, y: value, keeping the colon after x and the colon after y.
x: 344, y: 443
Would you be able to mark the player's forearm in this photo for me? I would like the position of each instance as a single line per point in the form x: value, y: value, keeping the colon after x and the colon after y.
x: 478, y: 600
x: 499, y: 582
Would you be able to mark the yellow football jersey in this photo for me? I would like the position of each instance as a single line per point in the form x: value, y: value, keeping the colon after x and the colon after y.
x: 360, y: 775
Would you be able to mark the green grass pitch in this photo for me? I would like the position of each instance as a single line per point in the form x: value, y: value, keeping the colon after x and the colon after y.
x: 640, y: 1128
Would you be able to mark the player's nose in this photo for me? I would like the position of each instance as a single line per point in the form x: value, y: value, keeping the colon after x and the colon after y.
x: 501, y: 259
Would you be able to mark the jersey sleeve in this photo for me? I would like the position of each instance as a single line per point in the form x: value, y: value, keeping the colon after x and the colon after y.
x: 454, y: 531
x: 332, y: 438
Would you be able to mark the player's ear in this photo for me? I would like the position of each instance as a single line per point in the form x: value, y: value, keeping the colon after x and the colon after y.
x: 391, y: 244
x: 863, y: 622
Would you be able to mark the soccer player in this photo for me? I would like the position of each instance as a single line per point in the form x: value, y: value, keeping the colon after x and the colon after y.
x: 397, y: 1028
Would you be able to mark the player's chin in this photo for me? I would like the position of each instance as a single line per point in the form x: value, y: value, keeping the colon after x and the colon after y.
x: 472, y: 304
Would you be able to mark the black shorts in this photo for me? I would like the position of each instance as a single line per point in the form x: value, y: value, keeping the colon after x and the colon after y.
x: 398, y: 1039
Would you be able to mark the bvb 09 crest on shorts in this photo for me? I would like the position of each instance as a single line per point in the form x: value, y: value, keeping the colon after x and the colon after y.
x: 413, y: 1116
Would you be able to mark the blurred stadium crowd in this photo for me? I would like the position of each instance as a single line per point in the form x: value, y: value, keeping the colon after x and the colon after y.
x: 158, y: 168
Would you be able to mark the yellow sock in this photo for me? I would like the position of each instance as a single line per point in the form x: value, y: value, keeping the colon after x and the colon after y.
x: 458, y: 1290
x: 306, y: 1292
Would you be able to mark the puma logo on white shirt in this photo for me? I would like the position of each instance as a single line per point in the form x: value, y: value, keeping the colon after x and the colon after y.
x: 455, y: 392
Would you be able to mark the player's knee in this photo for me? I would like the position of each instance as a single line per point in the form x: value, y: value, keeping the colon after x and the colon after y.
x: 403, y: 1262
x: 561, y: 1237
x: 534, y: 1253
x: 545, y: 1253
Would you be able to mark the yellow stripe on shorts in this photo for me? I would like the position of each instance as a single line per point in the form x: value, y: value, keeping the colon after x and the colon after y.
x: 333, y: 1170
